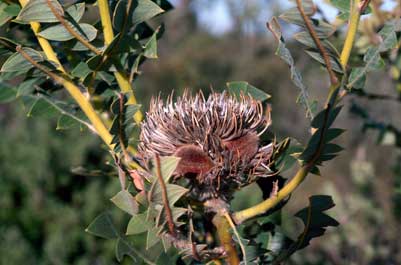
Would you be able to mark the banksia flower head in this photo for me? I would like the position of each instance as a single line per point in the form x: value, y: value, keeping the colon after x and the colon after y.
x: 216, y: 138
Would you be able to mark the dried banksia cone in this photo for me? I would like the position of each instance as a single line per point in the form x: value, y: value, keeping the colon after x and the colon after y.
x: 216, y: 138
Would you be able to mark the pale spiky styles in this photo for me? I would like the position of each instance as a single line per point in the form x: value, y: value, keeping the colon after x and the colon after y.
x: 217, y: 138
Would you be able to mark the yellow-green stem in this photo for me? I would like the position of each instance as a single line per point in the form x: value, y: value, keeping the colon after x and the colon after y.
x: 352, y: 30
x: 121, y: 77
x: 264, y: 206
x: 223, y: 232
x: 78, y: 97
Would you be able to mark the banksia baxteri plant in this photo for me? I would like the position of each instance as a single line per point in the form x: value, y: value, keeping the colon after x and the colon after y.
x: 217, y: 140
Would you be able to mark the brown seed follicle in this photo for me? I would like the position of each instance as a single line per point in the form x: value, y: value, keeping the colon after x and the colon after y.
x: 244, y: 147
x: 193, y: 160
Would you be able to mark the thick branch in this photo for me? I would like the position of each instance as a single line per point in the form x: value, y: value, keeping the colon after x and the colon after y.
x: 223, y: 231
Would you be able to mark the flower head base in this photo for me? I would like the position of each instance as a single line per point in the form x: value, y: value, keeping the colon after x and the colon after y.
x: 216, y: 138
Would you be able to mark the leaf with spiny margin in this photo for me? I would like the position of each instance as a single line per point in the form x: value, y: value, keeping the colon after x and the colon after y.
x: 138, y: 224
x: 296, y: 77
x: 323, y: 29
x: 305, y: 38
x: 39, y: 11
x: 123, y: 248
x: 319, y: 120
x: 333, y: 60
x: 343, y: 6
x: 168, y: 164
x: 174, y: 193
x: 17, y: 63
x: 372, y: 58
x: 152, y: 237
x: 103, y: 226
x: 60, y: 33
x: 314, y: 219
x: 126, y: 202
x: 241, y: 87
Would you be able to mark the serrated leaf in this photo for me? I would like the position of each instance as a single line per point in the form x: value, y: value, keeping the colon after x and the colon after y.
x: 332, y: 149
x: 314, y: 219
x: 343, y: 6
x: 123, y: 248
x: 60, y: 33
x: 241, y: 87
x: 139, y: 224
x: 372, y: 56
x: 39, y: 11
x: 296, y: 77
x: 333, y: 133
x: 168, y: 164
x: 174, y: 193
x: 334, y: 62
x: 152, y: 238
x: 103, y: 226
x: 322, y: 28
x: 319, y: 120
x: 126, y: 202
x: 17, y: 63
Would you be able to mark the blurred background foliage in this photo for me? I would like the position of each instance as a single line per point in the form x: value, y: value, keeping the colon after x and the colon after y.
x: 47, y: 199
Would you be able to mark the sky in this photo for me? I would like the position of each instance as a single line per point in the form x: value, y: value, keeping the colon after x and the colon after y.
x: 215, y: 16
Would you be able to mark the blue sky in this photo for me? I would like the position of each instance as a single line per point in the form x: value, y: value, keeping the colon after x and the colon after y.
x: 215, y: 16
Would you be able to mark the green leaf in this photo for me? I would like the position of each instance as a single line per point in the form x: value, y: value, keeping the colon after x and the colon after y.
x: 39, y: 11
x: 334, y: 62
x: 76, y: 11
x: 168, y: 165
x: 150, y: 49
x: 322, y: 28
x: 17, y: 63
x: 296, y: 77
x: 145, y: 10
x: 152, y: 238
x: 126, y: 202
x: 372, y: 58
x: 123, y: 248
x: 314, y: 219
x: 7, y: 93
x: 138, y: 224
x: 65, y: 122
x: 81, y: 70
x: 5, y: 14
x: 174, y: 193
x: 319, y: 120
x: 240, y: 87
x: 28, y: 86
x: 103, y: 227
x: 59, y: 32
x: 343, y: 6
x: 42, y: 108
